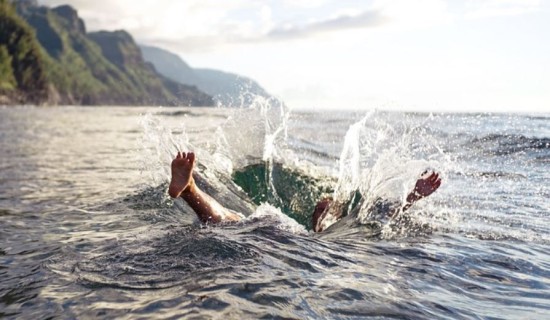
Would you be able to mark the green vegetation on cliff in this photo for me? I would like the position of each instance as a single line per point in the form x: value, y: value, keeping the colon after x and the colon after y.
x: 55, y: 61
x: 7, y: 79
x: 22, y: 67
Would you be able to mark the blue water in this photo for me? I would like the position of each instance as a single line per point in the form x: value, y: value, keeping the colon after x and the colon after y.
x: 87, y: 230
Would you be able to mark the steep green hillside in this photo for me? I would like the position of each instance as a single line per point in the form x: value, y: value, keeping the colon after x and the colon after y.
x: 71, y: 66
x: 121, y: 50
x: 22, y: 66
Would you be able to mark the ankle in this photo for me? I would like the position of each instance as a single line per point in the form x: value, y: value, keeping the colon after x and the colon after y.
x: 413, y: 197
x: 189, y: 190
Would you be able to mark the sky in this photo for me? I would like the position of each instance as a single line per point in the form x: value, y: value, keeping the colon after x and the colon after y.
x: 422, y: 55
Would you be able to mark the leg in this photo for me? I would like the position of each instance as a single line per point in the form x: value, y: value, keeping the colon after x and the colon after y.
x: 183, y: 185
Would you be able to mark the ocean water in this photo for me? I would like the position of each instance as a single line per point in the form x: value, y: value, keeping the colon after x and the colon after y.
x: 88, y: 231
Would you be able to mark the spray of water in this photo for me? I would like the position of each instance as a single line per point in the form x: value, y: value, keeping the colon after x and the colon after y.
x: 382, y: 157
x: 158, y: 147
x: 250, y: 134
x: 259, y: 128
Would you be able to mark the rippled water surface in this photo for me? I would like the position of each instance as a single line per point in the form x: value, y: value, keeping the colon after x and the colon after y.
x: 87, y: 230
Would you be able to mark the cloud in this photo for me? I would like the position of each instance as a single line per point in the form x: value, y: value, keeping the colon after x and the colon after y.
x: 286, y: 32
x: 494, y: 8
x: 304, y: 3
x: 366, y: 19
x: 409, y: 15
x: 166, y: 18
x: 206, y: 25
x: 201, y: 25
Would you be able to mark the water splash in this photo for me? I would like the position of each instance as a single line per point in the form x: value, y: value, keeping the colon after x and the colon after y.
x: 250, y: 134
x: 158, y: 147
x: 382, y: 157
x: 252, y: 131
x: 260, y: 128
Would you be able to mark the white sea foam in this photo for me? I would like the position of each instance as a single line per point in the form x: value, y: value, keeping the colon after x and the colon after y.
x: 281, y: 221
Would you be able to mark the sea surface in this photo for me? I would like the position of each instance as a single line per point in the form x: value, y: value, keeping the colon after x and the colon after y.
x: 87, y: 229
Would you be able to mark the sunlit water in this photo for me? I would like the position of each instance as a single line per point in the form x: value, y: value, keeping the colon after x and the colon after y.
x: 87, y: 230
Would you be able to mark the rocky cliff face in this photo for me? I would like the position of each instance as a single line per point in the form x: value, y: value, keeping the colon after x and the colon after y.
x: 70, y: 17
x: 102, y: 68
x: 23, y: 74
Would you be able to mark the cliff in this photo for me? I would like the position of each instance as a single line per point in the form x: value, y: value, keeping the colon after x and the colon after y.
x: 22, y: 66
x: 74, y: 67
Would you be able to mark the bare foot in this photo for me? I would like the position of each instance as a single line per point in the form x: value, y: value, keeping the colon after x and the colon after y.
x: 425, y: 186
x: 182, y: 173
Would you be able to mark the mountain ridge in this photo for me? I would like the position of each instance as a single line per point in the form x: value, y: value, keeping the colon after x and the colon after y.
x: 228, y: 89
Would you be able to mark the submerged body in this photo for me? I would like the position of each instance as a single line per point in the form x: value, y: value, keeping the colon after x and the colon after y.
x: 326, y: 212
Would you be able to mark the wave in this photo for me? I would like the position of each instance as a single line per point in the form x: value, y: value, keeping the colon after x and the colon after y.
x: 493, y: 175
x: 507, y: 144
x: 149, y: 262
